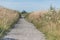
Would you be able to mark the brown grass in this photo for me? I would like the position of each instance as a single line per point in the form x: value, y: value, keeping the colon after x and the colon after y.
x: 7, y: 18
x: 47, y: 22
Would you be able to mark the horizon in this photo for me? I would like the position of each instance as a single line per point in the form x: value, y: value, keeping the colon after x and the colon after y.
x: 29, y: 5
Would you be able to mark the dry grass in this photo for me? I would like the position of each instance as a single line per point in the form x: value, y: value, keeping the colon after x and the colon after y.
x: 48, y: 23
x: 7, y: 18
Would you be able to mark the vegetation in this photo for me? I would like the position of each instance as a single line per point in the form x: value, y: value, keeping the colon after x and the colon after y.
x: 7, y: 19
x: 24, y: 13
x: 48, y: 23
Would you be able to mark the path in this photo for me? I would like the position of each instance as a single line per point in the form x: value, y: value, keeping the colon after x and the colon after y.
x: 24, y: 31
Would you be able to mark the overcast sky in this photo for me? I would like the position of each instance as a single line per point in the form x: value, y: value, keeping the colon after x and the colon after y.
x: 29, y: 5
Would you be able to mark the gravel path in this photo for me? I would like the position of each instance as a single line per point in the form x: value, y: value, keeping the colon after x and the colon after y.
x: 24, y: 31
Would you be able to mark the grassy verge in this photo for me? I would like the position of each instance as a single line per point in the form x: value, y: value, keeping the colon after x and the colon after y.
x: 7, y: 19
x: 49, y: 24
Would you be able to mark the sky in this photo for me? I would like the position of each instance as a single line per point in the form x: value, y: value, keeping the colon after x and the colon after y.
x: 29, y: 5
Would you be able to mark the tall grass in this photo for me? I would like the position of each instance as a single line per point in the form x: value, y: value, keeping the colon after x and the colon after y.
x: 7, y: 18
x: 48, y: 23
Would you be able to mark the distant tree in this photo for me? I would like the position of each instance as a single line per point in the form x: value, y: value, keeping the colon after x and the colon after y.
x: 52, y: 9
x: 23, y: 12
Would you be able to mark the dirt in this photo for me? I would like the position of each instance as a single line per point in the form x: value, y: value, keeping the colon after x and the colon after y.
x: 24, y: 30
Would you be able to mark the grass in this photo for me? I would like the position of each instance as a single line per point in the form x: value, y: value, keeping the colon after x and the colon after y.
x: 7, y: 18
x: 48, y: 23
